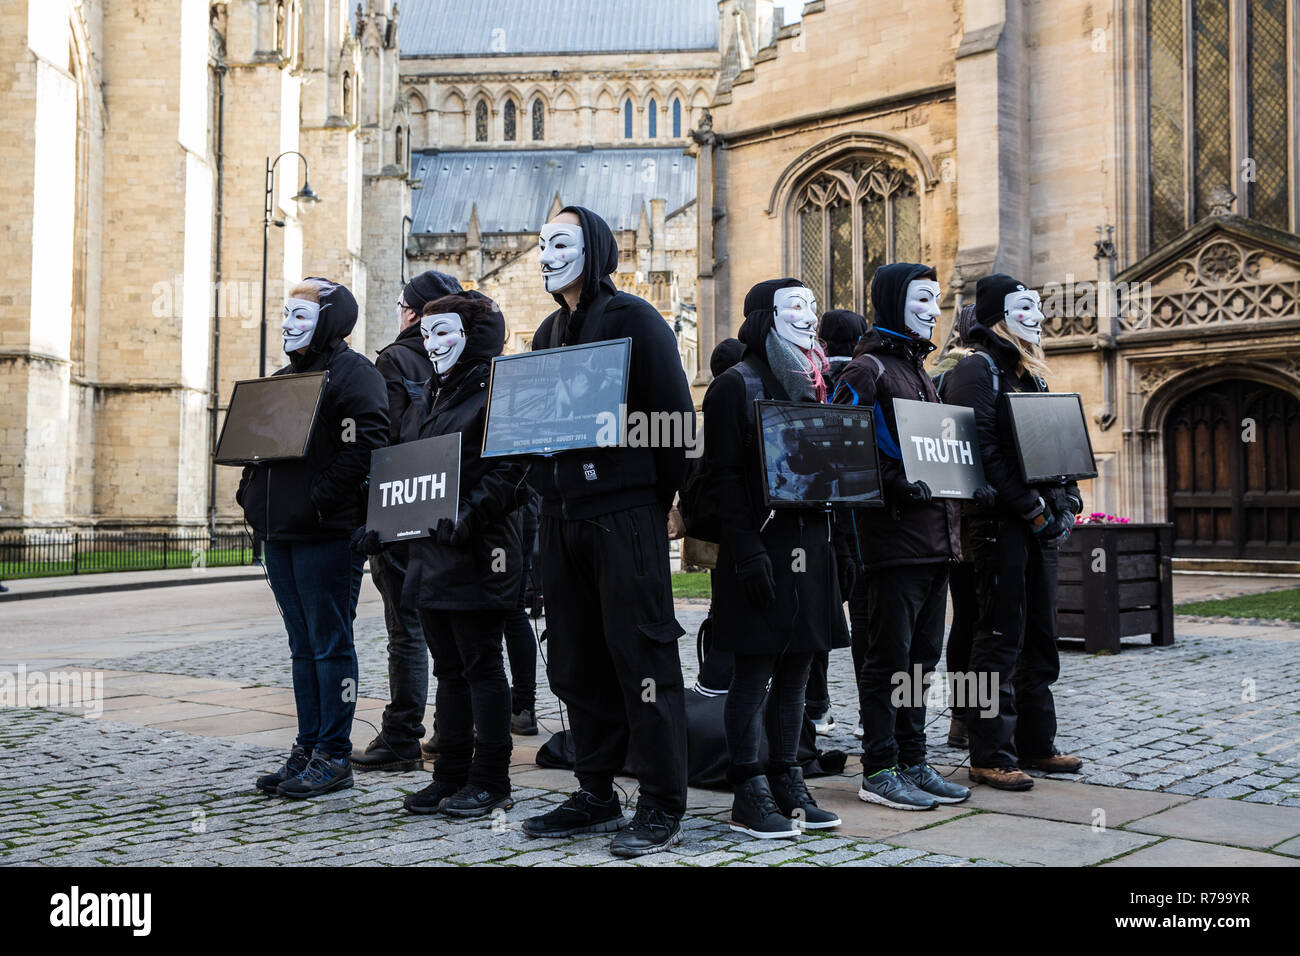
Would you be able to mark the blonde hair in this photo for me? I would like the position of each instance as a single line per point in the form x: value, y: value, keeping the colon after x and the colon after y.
x: 1032, y: 359
x: 309, y: 289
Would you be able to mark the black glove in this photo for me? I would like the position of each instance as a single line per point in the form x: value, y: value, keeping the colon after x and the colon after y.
x: 848, y: 574
x: 917, y: 491
x: 755, y: 577
x: 1056, y: 531
x: 986, y: 497
x: 1075, y: 503
x: 455, y: 534
x: 365, y: 541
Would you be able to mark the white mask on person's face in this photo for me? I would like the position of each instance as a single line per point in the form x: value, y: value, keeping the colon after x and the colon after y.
x: 444, y: 339
x: 921, y: 311
x: 301, y: 317
x: 563, y: 255
x: 1024, y: 310
x: 796, y: 316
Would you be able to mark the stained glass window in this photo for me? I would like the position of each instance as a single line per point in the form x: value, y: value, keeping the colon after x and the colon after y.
x: 677, y: 119
x: 627, y: 119
x: 1165, y: 118
x: 509, y: 120
x: 1267, y: 137
x: 480, y: 121
x: 539, y: 120
x: 853, y: 217
x: 1212, y: 103
x: 654, y: 119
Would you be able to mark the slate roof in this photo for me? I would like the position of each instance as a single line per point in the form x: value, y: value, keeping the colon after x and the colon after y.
x: 514, y: 188
x: 447, y: 28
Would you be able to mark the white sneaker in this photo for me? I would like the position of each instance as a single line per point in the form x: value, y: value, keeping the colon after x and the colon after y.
x: 825, y: 725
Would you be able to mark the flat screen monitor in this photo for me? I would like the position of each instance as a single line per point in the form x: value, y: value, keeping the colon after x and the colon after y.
x: 555, y: 400
x: 815, y: 455
x: 1051, y: 436
x: 270, y: 419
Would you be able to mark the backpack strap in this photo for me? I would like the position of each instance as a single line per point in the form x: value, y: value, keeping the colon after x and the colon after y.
x: 993, y: 367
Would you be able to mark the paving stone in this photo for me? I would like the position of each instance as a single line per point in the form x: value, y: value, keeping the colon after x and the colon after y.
x: 1188, y: 853
x: 1023, y: 840
x: 1233, y: 822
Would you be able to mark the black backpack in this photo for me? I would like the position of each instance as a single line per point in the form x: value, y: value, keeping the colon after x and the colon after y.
x: 694, y: 504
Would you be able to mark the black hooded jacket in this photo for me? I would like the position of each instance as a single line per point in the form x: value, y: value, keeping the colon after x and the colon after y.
x: 323, y: 494
x: 970, y: 382
x: 596, y: 481
x: 488, y: 573
x: 406, y: 369
x: 807, y: 614
x: 904, y: 531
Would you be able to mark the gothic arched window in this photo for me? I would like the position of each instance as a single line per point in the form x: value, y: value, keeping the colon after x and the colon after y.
x: 654, y: 119
x: 347, y: 96
x: 627, y: 119
x: 539, y: 120
x: 508, y: 120
x: 1217, y: 111
x: 677, y: 119
x: 480, y: 121
x: 399, y: 153
x: 850, y: 218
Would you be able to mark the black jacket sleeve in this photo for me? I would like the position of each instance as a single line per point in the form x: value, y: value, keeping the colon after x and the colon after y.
x: 656, y: 370
x: 970, y: 383
x: 399, y: 399
x: 726, y: 421
x: 362, y: 399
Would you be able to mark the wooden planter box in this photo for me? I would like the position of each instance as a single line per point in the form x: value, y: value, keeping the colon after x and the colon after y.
x: 1133, y: 596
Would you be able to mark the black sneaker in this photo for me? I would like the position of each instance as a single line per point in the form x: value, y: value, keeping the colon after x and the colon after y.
x: 430, y: 747
x: 296, y: 764
x: 380, y: 754
x: 430, y: 798
x: 581, y: 813
x: 524, y: 723
x: 754, y: 811
x: 794, y: 800
x: 472, y: 800
x: 650, y: 831
x: 321, y: 775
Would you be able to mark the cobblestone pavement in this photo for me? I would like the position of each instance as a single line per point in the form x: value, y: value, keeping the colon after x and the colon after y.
x: 1211, y: 716
x: 1179, y: 719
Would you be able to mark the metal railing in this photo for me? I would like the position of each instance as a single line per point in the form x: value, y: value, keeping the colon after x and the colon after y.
x: 90, y: 552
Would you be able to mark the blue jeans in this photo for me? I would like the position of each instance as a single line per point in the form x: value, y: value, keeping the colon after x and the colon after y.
x: 316, y: 585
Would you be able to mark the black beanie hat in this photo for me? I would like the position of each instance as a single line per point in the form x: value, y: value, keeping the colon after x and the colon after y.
x: 840, y: 329
x: 725, y: 354
x: 991, y: 295
x: 428, y: 286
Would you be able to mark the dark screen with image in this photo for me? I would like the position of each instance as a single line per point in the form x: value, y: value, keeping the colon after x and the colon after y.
x: 814, y: 455
x: 270, y: 418
x: 1051, y: 436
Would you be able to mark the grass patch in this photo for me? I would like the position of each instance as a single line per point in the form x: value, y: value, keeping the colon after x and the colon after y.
x: 692, y: 584
x: 1272, y: 605
x: 93, y: 562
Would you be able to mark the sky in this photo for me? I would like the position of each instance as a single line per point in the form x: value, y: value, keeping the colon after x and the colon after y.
x: 793, y: 9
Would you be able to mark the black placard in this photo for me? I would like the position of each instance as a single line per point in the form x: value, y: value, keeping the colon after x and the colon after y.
x: 557, y: 400
x: 270, y: 419
x: 413, y: 486
x: 940, y: 446
x: 815, y: 455
x: 1051, y: 436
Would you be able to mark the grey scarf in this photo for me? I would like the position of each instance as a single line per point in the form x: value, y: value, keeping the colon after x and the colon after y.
x: 791, y: 367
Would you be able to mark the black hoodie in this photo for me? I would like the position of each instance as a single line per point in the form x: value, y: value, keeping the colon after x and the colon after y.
x: 904, y: 531
x: 404, y: 364
x: 323, y: 494
x: 488, y: 574
x: 597, y: 481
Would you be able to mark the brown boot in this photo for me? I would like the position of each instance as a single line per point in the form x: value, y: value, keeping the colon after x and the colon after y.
x: 957, y: 736
x: 1053, y: 763
x: 1002, y: 778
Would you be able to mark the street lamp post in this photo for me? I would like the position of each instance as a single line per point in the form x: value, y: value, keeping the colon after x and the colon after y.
x: 304, y: 195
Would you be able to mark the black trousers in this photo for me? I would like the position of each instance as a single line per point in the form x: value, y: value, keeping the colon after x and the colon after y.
x: 906, y: 606
x: 521, y: 649
x: 612, y: 650
x: 965, y: 609
x: 1014, y: 644
x: 408, y: 658
x: 746, y: 718
x: 473, y: 698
